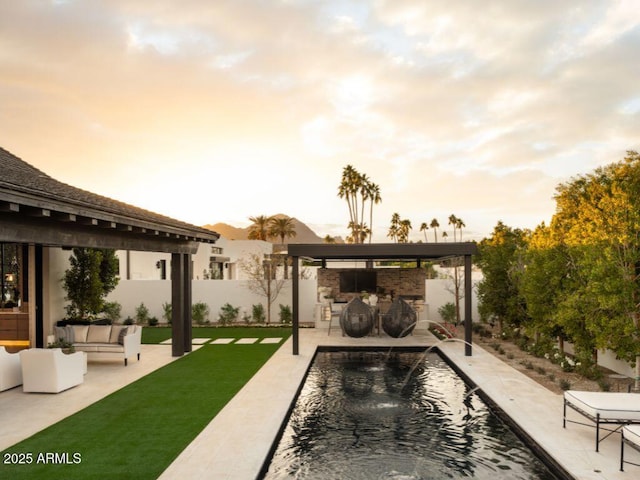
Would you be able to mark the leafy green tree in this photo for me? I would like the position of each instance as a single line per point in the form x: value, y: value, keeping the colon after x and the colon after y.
x: 499, y: 257
x: 89, y: 279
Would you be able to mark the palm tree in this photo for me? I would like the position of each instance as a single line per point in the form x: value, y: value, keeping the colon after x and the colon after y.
x: 282, y: 227
x: 348, y: 189
x: 394, y: 229
x: 423, y: 228
x: 374, y: 198
x: 453, y: 220
x: 460, y: 224
x: 445, y: 235
x: 328, y: 239
x: 405, y: 227
x: 435, y: 225
x: 259, y: 229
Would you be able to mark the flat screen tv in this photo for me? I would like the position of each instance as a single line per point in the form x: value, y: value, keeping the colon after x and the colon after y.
x: 355, y: 281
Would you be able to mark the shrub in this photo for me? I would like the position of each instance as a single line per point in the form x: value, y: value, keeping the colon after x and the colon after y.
x: 167, y: 312
x: 142, y: 314
x: 128, y: 321
x: 565, y: 385
x: 112, y: 311
x: 285, y: 314
x: 448, y: 312
x: 153, y: 321
x: 228, y: 314
x: 257, y: 313
x: 200, y: 313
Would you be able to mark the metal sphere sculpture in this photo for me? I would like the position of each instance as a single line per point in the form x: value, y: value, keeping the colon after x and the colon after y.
x: 356, y: 319
x: 400, y: 319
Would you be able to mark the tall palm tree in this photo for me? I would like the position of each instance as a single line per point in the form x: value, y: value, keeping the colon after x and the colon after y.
x: 259, y: 229
x: 348, y: 189
x: 460, y: 224
x: 282, y: 227
x: 453, y: 220
x: 394, y: 229
x: 435, y: 225
x: 423, y: 228
x: 374, y: 198
x: 405, y: 227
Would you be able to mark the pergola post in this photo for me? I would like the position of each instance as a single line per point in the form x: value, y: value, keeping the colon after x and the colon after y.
x: 467, y: 306
x: 186, y: 307
x: 295, y: 309
x: 177, y: 304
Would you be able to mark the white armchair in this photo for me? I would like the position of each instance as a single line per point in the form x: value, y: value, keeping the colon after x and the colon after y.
x: 49, y: 370
x: 10, y: 372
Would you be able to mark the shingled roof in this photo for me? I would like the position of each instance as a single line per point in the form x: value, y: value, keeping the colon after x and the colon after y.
x: 23, y: 186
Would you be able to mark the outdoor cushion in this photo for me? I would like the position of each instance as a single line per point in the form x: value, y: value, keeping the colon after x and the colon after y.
x: 632, y: 434
x: 80, y: 333
x: 607, y: 405
x: 123, y: 333
x: 99, y: 334
x: 115, y: 333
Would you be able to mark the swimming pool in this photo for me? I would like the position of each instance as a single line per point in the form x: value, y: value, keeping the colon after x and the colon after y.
x: 395, y: 415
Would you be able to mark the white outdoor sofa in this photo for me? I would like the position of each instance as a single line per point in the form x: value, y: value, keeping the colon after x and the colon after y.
x: 10, y: 371
x: 122, y: 340
x: 49, y: 370
x: 603, y: 408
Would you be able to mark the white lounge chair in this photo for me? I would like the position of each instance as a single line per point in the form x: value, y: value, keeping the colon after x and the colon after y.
x: 631, y: 437
x: 10, y: 372
x: 603, y: 408
x: 48, y: 370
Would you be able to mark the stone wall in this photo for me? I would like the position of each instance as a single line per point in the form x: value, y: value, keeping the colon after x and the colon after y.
x: 407, y: 282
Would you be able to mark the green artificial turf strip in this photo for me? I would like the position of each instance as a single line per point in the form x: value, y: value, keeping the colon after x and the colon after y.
x: 151, y: 335
x: 139, y: 430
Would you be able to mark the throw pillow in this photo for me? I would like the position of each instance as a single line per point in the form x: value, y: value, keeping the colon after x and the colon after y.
x: 123, y: 332
x: 71, y: 337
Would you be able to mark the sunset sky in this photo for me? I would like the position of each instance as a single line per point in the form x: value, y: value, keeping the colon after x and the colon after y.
x: 214, y: 111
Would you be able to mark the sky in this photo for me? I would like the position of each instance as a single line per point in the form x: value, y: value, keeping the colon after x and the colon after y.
x: 215, y: 111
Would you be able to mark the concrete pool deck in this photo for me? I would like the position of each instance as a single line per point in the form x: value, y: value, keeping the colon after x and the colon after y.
x: 236, y: 442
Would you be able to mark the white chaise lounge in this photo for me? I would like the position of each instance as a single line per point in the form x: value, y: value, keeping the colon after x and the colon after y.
x: 603, y: 408
x: 48, y: 370
x: 10, y: 371
x: 631, y: 437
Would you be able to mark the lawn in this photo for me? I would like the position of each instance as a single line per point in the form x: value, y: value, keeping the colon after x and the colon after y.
x: 136, y: 432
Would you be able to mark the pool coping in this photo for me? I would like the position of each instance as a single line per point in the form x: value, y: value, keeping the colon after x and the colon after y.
x: 237, y: 441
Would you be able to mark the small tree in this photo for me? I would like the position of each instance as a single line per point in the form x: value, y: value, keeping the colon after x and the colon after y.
x: 92, y: 275
x: 262, y: 278
x: 257, y: 313
x: 285, y: 314
x: 142, y: 314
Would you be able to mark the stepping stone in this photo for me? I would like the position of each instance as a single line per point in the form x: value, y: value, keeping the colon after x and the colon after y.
x: 271, y: 340
x: 246, y: 341
x: 166, y: 342
x: 222, y: 341
x: 199, y: 341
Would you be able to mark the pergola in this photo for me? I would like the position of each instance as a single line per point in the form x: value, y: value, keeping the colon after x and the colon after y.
x: 38, y: 211
x: 436, y: 252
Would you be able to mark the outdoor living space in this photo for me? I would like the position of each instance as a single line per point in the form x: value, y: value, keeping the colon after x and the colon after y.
x: 237, y: 441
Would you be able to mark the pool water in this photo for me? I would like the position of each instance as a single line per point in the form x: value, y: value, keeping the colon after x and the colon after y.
x: 395, y: 415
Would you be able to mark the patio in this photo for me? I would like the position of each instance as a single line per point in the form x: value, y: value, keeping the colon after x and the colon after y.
x: 236, y: 442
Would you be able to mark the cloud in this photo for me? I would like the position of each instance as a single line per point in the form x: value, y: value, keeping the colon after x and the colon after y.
x: 474, y: 109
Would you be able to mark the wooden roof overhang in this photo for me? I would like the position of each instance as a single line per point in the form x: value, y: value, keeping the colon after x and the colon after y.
x: 35, y: 208
x: 384, y: 251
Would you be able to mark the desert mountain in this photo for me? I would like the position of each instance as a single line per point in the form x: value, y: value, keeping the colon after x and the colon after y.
x: 303, y: 233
